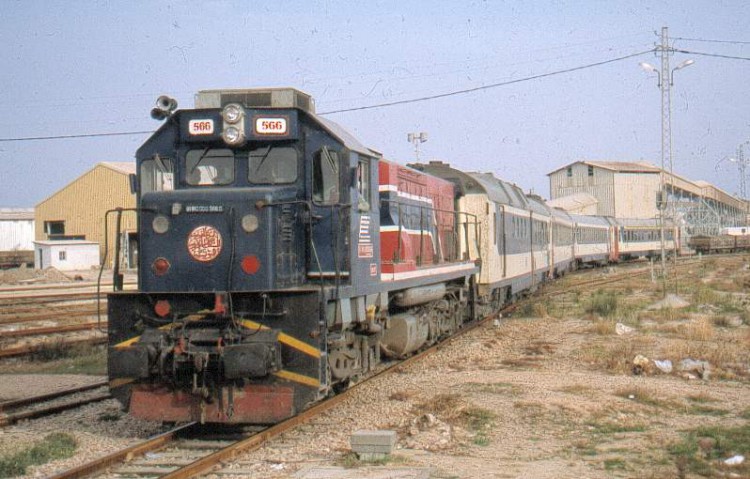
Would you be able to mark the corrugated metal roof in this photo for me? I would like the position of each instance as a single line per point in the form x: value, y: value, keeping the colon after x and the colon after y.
x: 621, y: 166
x: 16, y: 214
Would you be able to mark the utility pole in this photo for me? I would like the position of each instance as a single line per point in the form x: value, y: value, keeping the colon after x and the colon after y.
x: 666, y: 80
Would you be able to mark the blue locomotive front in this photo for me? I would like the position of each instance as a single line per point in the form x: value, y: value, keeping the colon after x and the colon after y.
x: 249, y: 306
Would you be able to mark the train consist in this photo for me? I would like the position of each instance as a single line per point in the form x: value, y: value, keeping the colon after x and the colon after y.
x: 280, y: 259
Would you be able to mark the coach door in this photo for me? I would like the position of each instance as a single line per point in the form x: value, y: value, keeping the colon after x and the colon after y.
x: 329, y: 216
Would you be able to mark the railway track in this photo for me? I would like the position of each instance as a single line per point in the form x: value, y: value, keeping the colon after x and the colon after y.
x: 175, y: 456
x: 34, y: 407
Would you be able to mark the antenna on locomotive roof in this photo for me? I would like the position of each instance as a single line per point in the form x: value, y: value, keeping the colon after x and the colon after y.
x: 416, y: 139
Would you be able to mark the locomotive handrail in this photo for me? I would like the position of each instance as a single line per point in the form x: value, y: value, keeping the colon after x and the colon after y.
x: 457, y: 215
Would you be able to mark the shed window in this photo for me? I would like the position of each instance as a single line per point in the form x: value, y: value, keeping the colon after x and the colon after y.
x: 62, y: 255
x: 591, y: 170
x: 54, y: 228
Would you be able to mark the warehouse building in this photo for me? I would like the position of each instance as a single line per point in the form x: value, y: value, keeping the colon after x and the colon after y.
x: 16, y: 236
x: 633, y: 190
x: 77, y: 211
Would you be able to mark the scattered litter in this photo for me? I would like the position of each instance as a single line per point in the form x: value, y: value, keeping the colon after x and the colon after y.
x: 496, y: 323
x: 664, y: 365
x: 152, y: 455
x: 631, y: 396
x: 640, y: 364
x: 622, y: 329
x: 734, y: 460
x: 277, y: 467
x: 701, y: 368
x: 672, y: 301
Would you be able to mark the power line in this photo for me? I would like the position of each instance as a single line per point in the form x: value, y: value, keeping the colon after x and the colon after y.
x: 88, y: 135
x: 712, y: 55
x: 734, y: 42
x: 486, y: 87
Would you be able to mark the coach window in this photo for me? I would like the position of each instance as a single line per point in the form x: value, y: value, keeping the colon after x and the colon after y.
x: 272, y: 164
x: 326, y: 176
x: 207, y: 167
x: 157, y: 174
x: 363, y: 185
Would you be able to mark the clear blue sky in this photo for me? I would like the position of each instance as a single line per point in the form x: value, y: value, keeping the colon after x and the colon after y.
x: 75, y: 67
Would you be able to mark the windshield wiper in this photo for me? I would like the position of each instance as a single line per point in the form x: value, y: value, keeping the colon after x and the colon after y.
x: 263, y: 160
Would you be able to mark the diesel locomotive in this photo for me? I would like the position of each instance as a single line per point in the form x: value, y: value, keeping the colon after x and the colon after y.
x: 280, y: 259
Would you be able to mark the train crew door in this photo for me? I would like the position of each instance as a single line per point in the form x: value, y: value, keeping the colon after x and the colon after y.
x: 329, y: 215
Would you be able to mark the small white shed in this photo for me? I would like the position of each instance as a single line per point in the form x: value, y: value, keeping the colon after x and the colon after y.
x: 66, y: 255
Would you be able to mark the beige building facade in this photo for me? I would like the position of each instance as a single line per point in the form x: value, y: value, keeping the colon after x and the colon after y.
x: 622, y: 190
x: 634, y: 190
x: 77, y: 211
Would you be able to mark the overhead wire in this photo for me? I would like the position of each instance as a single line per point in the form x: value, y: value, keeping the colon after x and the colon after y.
x: 731, y: 57
x: 411, y: 100
x: 734, y: 42
x: 486, y: 87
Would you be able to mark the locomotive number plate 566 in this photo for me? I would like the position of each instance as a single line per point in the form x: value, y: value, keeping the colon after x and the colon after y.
x: 271, y: 126
x: 204, y: 243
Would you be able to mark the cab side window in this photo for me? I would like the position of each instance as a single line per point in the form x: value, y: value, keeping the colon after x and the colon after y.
x: 326, y: 176
x: 157, y: 174
x: 363, y: 185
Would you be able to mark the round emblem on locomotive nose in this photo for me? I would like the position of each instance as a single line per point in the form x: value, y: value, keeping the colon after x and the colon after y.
x: 204, y: 243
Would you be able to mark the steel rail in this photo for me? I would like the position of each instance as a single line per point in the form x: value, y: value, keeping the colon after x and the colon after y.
x: 27, y: 350
x: 14, y: 403
x: 22, y: 333
x: 48, y: 317
x: 103, y: 463
x: 256, y: 440
x: 36, y: 413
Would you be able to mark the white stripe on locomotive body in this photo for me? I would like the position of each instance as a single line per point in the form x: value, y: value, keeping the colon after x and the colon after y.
x: 403, y: 194
x: 411, y: 231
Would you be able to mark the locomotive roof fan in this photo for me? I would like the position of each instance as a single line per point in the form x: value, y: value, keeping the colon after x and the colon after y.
x: 165, y: 106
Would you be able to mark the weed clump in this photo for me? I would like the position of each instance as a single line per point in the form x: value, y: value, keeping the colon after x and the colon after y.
x: 54, y: 446
x: 603, y: 303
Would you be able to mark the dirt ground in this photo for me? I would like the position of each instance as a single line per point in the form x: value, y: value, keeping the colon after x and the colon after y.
x: 574, y: 384
x: 556, y: 392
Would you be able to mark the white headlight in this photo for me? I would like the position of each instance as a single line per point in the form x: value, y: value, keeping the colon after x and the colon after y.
x: 232, y: 135
x: 232, y: 113
x: 249, y: 223
x: 160, y: 224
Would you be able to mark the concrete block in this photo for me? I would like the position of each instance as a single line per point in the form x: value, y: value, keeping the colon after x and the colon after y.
x: 373, y: 442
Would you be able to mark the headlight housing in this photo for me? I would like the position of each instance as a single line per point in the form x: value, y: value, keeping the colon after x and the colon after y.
x: 232, y: 135
x: 160, y: 224
x: 233, y: 113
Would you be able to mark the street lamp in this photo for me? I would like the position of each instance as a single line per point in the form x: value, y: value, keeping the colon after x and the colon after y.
x: 666, y: 130
x: 416, y: 139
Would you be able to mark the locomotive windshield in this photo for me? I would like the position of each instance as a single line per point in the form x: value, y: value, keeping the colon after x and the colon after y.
x: 208, y: 166
x: 272, y: 164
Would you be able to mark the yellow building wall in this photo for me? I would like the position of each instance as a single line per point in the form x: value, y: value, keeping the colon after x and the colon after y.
x: 82, y: 205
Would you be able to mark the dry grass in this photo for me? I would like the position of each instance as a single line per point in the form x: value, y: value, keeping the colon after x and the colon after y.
x: 701, y: 329
x: 602, y: 327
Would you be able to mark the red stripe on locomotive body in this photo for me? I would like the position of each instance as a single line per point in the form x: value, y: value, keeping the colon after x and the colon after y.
x: 416, y: 229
